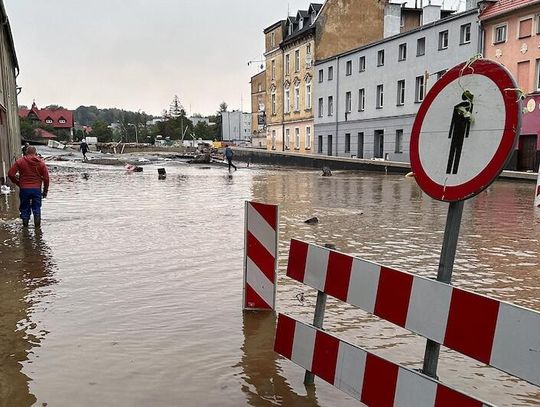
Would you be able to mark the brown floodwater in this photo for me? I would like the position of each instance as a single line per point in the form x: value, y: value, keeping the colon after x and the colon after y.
x: 131, y: 294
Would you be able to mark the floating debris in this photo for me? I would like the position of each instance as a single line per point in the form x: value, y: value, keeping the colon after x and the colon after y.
x: 312, y: 221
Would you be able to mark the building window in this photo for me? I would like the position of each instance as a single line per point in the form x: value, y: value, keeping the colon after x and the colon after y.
x: 380, y: 57
x: 361, y: 99
x: 401, y: 92
x: 538, y: 75
x: 402, y: 21
x: 62, y: 121
x: 330, y: 73
x: 420, y: 46
x: 361, y: 64
x: 320, y: 146
x: 274, y: 103
x: 297, y: 60
x: 287, y: 139
x: 443, y: 40
x: 348, y: 102
x: 441, y: 73
x: 259, y: 88
x: 273, y: 139
x: 499, y: 34
x: 348, y: 68
x: 308, y: 95
x: 287, y: 101
x: 399, y: 142
x: 321, y: 107
x: 380, y: 96
x: 296, y: 138
x: 537, y: 19
x: 347, y: 143
x: 297, y: 97
x: 308, y: 49
x: 273, y: 69
x: 525, y: 28
x: 465, y: 34
x: 287, y: 64
x: 402, y: 55
x: 321, y: 75
x: 330, y: 105
x: 301, y: 24
x: 420, y: 89
x: 273, y: 40
x: 308, y: 138
x: 360, y: 152
x: 48, y: 121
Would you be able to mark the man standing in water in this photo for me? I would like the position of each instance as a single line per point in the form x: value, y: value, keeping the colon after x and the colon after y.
x: 32, y: 174
x: 84, y: 148
x: 229, y: 155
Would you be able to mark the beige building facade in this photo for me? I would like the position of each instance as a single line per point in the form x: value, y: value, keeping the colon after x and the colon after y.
x: 258, y: 107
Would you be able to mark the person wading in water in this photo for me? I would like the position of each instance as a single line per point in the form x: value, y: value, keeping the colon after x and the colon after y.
x: 29, y: 173
x: 229, y: 155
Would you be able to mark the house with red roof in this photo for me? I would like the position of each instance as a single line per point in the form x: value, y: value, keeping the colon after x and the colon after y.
x: 60, y: 119
x: 511, y: 36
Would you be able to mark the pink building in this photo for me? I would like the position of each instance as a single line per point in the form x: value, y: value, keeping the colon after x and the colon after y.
x: 511, y: 31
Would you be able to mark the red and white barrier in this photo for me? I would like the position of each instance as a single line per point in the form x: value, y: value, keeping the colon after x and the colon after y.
x: 260, y: 256
x: 372, y: 380
x: 496, y: 333
x: 537, y: 198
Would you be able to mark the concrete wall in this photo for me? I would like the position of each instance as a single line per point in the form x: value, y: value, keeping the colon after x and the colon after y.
x: 346, y: 24
x: 10, y: 135
x: 391, y: 117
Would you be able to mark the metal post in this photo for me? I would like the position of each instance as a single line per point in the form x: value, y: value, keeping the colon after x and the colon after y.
x: 318, y: 320
x: 444, y: 274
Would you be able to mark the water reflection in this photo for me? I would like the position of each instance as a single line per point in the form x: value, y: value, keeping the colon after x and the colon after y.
x: 265, y: 384
x: 25, y: 273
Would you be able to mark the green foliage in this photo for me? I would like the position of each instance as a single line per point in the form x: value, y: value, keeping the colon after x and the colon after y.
x: 101, y: 130
x: 173, y: 127
x: 218, y: 120
x: 204, y: 131
x: 87, y: 115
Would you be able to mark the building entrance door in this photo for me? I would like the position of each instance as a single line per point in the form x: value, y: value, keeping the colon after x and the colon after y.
x: 378, y: 145
x: 329, y: 144
x: 527, y: 152
x: 360, y: 153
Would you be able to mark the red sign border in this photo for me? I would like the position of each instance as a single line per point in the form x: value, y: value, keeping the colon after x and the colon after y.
x: 505, y: 82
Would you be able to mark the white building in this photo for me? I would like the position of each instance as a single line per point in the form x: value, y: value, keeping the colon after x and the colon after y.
x: 236, y: 126
x: 366, y: 99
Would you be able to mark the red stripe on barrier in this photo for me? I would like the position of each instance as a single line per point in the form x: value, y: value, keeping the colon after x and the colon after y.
x: 325, y: 356
x: 472, y: 320
x: 260, y: 256
x: 380, y: 381
x: 268, y: 212
x: 284, y: 336
x: 450, y: 398
x: 393, y: 295
x: 338, y: 275
x: 254, y: 300
x: 296, y: 266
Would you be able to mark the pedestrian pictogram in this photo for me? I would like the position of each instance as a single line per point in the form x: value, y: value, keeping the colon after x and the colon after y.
x: 465, y: 130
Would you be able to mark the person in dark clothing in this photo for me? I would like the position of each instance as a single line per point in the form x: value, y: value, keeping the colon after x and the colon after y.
x: 29, y: 173
x: 84, y: 148
x: 24, y: 148
x: 229, y: 155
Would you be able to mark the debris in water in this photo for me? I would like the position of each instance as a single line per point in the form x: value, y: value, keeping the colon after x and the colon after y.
x: 312, y: 221
x: 326, y: 172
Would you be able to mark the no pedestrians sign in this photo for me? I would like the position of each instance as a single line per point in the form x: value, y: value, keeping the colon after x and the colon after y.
x: 465, y: 130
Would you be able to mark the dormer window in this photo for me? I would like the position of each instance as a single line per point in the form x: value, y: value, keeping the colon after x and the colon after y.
x: 62, y: 121
x: 48, y: 120
x: 290, y: 29
x: 301, y: 24
x: 312, y: 17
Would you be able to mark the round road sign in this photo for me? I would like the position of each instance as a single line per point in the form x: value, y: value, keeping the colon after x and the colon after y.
x: 465, y: 130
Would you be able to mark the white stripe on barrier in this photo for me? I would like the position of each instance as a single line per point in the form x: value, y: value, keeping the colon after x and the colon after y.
x: 363, y: 284
x: 414, y: 390
x: 259, y: 227
x: 259, y: 282
x: 351, y: 363
x: 516, y: 346
x: 431, y: 321
x: 317, y: 263
x: 303, y: 346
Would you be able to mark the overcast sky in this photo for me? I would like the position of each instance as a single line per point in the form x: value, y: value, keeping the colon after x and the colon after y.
x: 137, y: 54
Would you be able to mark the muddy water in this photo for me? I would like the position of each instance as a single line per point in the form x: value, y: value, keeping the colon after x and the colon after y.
x: 131, y: 294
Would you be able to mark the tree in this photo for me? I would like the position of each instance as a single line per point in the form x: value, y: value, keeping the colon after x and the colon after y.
x: 176, y: 109
x: 102, y: 131
x: 222, y: 108
x: 204, y: 131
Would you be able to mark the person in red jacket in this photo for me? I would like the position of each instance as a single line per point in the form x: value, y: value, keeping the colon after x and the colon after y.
x: 32, y: 174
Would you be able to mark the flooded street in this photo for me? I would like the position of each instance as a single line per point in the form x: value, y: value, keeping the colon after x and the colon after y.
x: 131, y: 295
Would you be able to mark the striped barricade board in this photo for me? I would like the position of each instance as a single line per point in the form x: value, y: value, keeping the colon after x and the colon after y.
x: 496, y: 333
x: 260, y: 256
x: 371, y: 379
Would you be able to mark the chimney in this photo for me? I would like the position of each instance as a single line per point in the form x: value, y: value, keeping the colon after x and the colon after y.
x: 471, y: 4
x: 430, y: 13
x: 392, y: 19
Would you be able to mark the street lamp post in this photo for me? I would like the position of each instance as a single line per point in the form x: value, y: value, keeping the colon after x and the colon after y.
x: 136, y: 132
